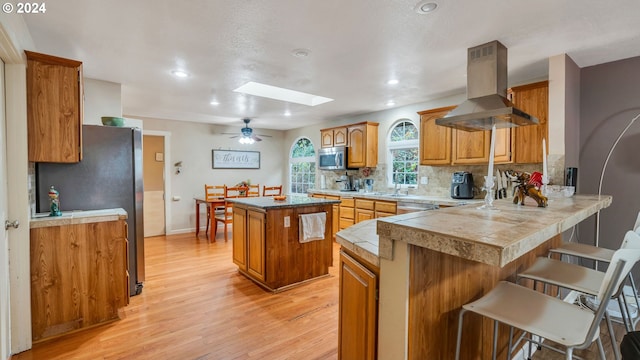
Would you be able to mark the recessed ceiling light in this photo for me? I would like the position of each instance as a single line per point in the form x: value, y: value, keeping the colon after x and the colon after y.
x: 391, y: 103
x: 180, y: 73
x: 278, y: 93
x: 287, y: 113
x: 393, y: 82
x: 300, y: 53
x: 425, y: 7
x: 214, y: 103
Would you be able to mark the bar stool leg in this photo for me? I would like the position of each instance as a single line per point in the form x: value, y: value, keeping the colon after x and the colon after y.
x: 614, y: 344
x: 510, y: 342
x: 635, y: 297
x: 601, y: 349
x: 494, y: 351
x: 459, y: 339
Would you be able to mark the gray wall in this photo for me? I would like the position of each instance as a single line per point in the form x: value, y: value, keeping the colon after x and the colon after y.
x: 610, y: 98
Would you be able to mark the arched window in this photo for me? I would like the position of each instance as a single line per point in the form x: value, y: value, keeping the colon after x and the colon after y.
x: 403, y: 154
x: 302, y: 166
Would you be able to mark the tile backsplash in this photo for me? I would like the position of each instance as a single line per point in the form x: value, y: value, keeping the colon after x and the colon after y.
x: 439, y: 177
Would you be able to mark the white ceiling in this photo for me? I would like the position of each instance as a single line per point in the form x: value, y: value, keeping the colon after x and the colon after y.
x: 355, y: 47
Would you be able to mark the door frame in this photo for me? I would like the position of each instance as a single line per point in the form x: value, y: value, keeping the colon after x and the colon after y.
x: 167, y: 174
x: 14, y: 37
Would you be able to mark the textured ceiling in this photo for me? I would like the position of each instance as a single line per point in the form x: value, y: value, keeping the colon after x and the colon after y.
x: 355, y: 47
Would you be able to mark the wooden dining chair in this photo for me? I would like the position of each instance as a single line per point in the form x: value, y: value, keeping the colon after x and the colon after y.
x: 212, y: 193
x: 226, y: 217
x: 254, y: 190
x: 272, y: 190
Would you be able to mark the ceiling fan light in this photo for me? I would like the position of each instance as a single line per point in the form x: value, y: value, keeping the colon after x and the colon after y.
x: 246, y: 140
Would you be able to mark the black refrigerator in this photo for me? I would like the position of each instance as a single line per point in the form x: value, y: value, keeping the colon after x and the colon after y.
x: 109, y: 176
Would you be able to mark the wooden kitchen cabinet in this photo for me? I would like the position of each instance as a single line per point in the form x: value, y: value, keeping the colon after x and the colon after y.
x: 347, y: 212
x: 534, y: 100
x: 435, y: 140
x: 54, y: 108
x: 440, y: 145
x: 385, y: 208
x: 333, y: 137
x: 239, y: 236
x: 363, y: 145
x: 364, y: 210
x: 78, y: 276
x: 256, y: 231
x: 358, y: 308
x: 473, y: 147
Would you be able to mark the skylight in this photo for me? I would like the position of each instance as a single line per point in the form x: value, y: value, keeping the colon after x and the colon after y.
x: 282, y: 94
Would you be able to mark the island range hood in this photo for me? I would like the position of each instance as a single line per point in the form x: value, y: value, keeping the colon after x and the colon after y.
x: 486, y: 103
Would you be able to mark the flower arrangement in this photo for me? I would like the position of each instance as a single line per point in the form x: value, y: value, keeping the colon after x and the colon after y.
x: 244, y: 183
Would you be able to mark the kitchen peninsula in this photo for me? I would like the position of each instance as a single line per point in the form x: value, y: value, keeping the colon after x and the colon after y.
x: 266, y: 240
x: 433, y: 262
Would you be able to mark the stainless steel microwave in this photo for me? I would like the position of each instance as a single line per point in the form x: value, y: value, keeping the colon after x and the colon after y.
x: 334, y: 158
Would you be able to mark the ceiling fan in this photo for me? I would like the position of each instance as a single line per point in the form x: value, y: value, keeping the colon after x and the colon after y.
x: 247, y: 136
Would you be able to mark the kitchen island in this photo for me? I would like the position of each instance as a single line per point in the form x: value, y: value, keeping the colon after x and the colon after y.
x: 266, y: 241
x: 433, y: 262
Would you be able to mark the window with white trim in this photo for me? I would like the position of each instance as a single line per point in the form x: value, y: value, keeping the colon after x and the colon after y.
x: 403, y: 145
x: 302, y: 166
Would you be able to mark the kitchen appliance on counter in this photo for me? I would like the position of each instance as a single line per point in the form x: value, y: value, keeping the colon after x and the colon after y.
x: 368, y: 185
x: 334, y: 158
x: 346, y: 182
x: 462, y: 185
x: 109, y: 176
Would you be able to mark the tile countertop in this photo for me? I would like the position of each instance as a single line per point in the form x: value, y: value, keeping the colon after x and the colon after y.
x: 438, y: 200
x: 77, y: 217
x: 362, y: 240
x: 267, y: 202
x: 491, y: 237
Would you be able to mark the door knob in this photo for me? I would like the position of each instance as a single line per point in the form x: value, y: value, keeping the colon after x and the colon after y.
x: 14, y: 224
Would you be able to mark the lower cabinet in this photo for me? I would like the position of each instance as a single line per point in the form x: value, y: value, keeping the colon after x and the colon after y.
x: 364, y: 210
x: 256, y: 242
x: 358, y: 311
x: 347, y: 213
x: 78, y: 276
x: 240, y: 238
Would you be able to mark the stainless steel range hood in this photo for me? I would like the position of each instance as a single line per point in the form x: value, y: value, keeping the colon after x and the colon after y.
x: 486, y: 103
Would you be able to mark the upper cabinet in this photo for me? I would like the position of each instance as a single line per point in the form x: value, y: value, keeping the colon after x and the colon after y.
x: 474, y: 147
x: 440, y: 145
x: 361, y: 140
x: 435, y: 141
x: 534, y: 100
x: 363, y: 145
x: 54, y: 108
x: 333, y: 137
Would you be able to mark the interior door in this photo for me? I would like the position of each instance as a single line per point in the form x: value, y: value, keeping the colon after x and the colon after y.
x: 154, y: 198
x: 5, y: 325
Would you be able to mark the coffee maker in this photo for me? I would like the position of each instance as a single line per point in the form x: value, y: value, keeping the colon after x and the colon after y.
x: 345, y: 182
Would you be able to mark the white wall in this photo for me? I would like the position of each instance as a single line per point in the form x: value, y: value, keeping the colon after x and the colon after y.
x: 192, y: 144
x: 101, y: 98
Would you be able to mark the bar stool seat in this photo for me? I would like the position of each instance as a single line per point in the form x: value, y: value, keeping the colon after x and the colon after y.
x: 546, y: 316
x: 582, y: 279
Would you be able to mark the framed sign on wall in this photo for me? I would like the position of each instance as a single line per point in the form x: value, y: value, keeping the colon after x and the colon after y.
x: 235, y: 159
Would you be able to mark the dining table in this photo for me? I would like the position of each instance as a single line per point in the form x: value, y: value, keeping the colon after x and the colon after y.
x: 208, y: 203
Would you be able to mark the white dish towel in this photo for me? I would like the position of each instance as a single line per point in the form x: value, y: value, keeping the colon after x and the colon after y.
x: 312, y: 227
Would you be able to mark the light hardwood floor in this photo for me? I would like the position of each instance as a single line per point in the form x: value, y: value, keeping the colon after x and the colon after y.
x: 195, y: 305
